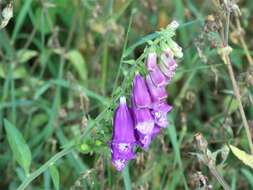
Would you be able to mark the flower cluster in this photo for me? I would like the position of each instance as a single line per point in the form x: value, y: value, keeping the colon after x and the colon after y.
x: 140, y: 123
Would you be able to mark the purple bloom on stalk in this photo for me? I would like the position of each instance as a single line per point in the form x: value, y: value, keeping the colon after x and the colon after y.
x: 157, y: 93
x: 169, y: 52
x: 156, y: 131
x: 155, y: 73
x: 144, y: 122
x: 141, y: 96
x: 168, y: 66
x: 151, y: 61
x: 123, y: 138
x: 159, y: 113
x: 143, y: 140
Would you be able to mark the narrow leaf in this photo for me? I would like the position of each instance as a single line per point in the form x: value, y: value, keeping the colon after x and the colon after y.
x: 25, y: 55
x: 243, y: 156
x: 20, y: 149
x: 78, y: 62
x: 55, y: 176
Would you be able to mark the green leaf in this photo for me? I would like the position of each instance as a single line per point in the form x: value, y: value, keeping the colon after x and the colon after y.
x: 78, y: 62
x: 232, y: 104
x: 20, y: 149
x: 42, y: 22
x: 55, y: 176
x: 243, y: 156
x: 25, y: 55
x: 126, y: 178
x: 249, y: 176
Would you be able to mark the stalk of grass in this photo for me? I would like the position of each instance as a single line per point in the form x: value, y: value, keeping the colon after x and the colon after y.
x: 126, y: 178
x: 227, y: 61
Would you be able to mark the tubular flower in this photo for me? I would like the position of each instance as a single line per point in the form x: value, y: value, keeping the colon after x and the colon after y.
x: 144, y: 122
x: 123, y: 138
x: 159, y: 113
x: 168, y: 66
x: 143, y: 140
x: 141, y: 96
x: 157, y: 93
x: 155, y: 73
x: 151, y: 61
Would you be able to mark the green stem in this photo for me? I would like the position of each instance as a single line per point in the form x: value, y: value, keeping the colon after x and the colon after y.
x: 44, y: 167
x: 126, y: 178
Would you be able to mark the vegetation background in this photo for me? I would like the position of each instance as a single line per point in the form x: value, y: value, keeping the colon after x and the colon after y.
x: 59, y: 61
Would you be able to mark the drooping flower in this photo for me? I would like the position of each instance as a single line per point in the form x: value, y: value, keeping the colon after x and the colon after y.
x: 141, y: 96
x: 168, y: 66
x: 123, y: 138
x: 151, y: 61
x: 157, y: 93
x: 155, y: 73
x: 144, y: 122
x: 159, y: 112
x: 144, y: 140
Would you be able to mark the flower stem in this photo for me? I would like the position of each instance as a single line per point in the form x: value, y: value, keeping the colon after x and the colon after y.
x: 234, y: 84
x: 44, y: 167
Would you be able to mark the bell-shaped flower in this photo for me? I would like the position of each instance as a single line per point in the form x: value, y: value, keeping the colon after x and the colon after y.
x: 157, y: 93
x: 143, y: 140
x: 151, y: 61
x: 168, y: 66
x: 159, y: 112
x: 144, y: 121
x: 140, y: 94
x: 155, y: 73
x: 123, y: 138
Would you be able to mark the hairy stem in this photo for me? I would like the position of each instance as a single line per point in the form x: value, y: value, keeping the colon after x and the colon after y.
x: 217, y: 175
x: 234, y: 84
x: 242, y: 41
x: 238, y: 97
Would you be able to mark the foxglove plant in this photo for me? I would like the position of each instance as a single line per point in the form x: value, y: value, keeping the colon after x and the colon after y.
x: 123, y: 138
x: 141, y: 96
x: 141, y: 123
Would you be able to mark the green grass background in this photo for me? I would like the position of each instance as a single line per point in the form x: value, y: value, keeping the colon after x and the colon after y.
x: 59, y: 61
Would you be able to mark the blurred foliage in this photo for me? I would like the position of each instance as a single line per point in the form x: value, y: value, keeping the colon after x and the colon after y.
x: 58, y: 64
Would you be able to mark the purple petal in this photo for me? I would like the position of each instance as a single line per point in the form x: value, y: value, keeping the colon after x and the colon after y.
x: 168, y: 66
x: 157, y: 93
x: 159, y: 113
x: 151, y: 61
x: 123, y: 125
x: 144, y: 122
x: 143, y: 140
x: 156, y: 131
x: 168, y: 52
x: 119, y: 163
x: 123, y: 150
x: 141, y: 96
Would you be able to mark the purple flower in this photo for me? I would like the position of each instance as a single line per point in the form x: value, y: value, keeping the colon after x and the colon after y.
x: 143, y: 140
x: 123, y: 138
x: 156, y: 131
x: 168, y: 66
x: 141, y: 96
x: 159, y: 113
x: 168, y: 52
x: 157, y: 93
x: 144, y: 122
x: 151, y: 61
x: 155, y: 73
